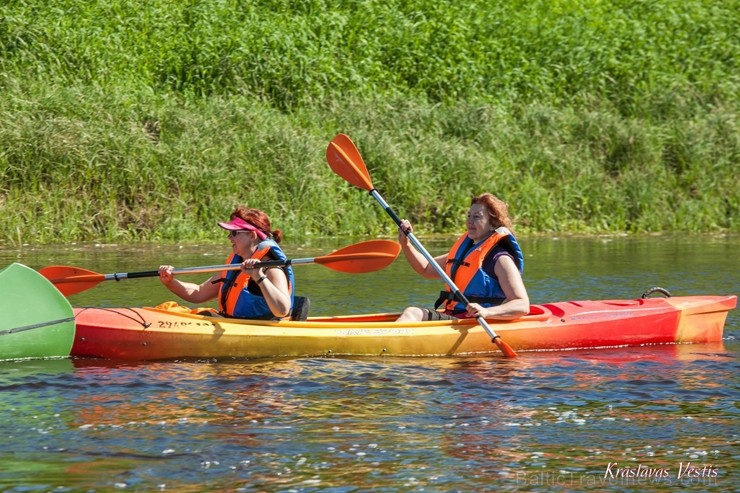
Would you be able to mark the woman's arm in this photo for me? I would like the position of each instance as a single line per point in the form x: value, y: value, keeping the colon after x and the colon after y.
x: 274, y: 286
x: 516, y: 304
x: 416, y: 260
x: 188, y: 291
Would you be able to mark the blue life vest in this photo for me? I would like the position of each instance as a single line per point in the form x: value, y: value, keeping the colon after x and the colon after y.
x: 237, y: 299
x: 465, y: 267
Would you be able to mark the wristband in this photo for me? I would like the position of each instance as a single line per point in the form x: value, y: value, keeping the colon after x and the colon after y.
x: 259, y: 281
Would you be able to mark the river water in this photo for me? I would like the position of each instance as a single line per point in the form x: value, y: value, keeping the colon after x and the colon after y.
x: 661, y: 418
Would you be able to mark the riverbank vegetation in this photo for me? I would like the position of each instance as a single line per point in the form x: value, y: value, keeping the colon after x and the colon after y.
x: 127, y: 121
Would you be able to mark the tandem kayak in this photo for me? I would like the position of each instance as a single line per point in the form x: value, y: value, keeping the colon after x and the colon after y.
x: 176, y: 333
x: 36, y: 320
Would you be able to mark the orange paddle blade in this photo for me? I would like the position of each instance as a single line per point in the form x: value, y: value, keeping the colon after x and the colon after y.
x: 344, y: 158
x: 71, y: 280
x: 505, y: 348
x: 367, y: 256
x: 362, y: 257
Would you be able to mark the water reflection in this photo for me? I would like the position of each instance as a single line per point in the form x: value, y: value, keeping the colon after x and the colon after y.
x: 549, y: 421
x: 28, y: 371
x: 557, y: 269
x: 395, y: 423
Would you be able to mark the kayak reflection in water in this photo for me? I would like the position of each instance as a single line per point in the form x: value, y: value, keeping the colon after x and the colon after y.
x: 486, y: 264
x: 256, y: 293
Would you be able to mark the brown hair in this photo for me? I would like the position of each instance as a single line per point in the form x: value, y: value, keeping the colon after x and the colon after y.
x: 259, y: 219
x: 497, y: 209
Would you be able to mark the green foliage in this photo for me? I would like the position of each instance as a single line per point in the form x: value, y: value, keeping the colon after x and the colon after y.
x: 126, y: 120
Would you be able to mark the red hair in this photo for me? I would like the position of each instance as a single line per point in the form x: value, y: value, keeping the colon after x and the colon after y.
x: 259, y: 219
x: 497, y: 209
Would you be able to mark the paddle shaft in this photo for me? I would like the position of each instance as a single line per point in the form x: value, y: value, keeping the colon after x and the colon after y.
x: 455, y: 290
x: 206, y: 268
x: 345, y: 160
x: 368, y: 256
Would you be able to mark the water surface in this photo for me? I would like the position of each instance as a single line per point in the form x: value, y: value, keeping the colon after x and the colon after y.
x: 660, y: 418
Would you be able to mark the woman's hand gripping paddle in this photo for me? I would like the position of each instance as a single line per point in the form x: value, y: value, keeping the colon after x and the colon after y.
x: 344, y: 158
x: 367, y: 256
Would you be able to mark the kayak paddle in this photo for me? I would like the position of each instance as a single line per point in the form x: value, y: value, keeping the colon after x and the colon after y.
x: 367, y: 256
x: 344, y: 158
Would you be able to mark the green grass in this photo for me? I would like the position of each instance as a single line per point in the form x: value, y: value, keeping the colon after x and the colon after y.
x: 130, y: 121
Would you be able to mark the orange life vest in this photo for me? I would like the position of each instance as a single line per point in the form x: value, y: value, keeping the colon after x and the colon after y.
x: 236, y: 300
x: 233, y: 285
x: 465, y: 267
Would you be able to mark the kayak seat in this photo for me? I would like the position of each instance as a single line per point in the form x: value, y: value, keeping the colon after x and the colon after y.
x: 301, y: 304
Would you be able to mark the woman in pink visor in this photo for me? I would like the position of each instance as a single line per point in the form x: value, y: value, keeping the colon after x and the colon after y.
x: 255, y: 293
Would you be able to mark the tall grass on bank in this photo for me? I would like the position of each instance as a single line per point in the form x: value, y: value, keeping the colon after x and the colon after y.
x: 84, y: 166
x: 293, y: 52
x: 126, y: 121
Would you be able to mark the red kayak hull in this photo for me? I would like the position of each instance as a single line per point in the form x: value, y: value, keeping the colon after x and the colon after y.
x: 160, y: 334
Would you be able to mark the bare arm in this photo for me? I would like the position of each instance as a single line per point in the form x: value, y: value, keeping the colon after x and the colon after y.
x: 188, y: 291
x: 416, y: 260
x: 516, y: 304
x: 274, y: 286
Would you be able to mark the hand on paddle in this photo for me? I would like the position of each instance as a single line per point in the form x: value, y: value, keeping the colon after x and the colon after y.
x: 367, y: 256
x: 255, y: 273
x: 166, y: 275
x: 345, y: 160
x: 404, y: 229
x: 416, y: 259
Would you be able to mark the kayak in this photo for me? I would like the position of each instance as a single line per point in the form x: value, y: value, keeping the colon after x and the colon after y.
x: 170, y: 331
x: 37, y: 321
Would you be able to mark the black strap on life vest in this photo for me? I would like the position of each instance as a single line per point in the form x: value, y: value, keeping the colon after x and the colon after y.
x: 488, y: 265
x: 459, y: 260
x: 228, y: 283
x: 456, y: 261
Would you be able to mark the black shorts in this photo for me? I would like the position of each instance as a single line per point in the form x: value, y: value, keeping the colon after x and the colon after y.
x: 432, y: 315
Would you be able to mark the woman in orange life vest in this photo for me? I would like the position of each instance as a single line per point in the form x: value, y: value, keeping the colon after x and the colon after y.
x: 248, y: 292
x: 485, y: 263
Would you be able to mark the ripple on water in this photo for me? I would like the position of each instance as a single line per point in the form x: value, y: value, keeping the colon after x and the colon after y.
x: 318, y: 424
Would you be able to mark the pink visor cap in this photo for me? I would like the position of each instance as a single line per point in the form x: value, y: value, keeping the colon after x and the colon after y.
x: 239, y: 224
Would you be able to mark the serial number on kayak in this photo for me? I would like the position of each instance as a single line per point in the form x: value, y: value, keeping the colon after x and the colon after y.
x: 374, y: 332
x: 166, y: 324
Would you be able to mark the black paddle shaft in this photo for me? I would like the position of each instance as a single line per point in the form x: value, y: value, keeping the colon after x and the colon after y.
x: 194, y: 270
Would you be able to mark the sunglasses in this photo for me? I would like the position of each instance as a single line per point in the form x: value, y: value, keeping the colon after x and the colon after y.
x: 232, y: 234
